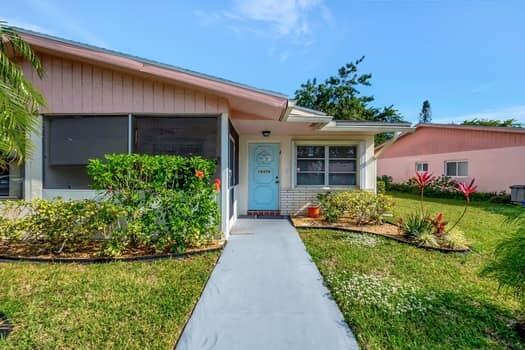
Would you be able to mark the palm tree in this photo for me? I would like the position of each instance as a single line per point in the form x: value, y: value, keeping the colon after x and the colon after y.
x: 19, y: 100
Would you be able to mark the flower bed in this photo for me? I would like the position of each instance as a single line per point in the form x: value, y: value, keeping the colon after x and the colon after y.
x: 151, y: 205
x: 387, y: 230
x: 90, y: 253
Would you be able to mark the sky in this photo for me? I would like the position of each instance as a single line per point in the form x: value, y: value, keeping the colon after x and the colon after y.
x: 466, y: 57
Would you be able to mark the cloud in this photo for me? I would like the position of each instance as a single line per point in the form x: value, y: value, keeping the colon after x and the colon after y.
x: 284, y: 17
x: 64, y: 24
x: 279, y: 19
x: 513, y: 112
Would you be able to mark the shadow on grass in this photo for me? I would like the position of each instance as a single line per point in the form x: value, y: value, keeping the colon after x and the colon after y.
x: 5, y: 326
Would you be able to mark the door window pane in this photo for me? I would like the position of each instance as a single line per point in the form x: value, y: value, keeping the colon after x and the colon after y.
x: 310, y: 151
x: 342, y: 179
x: 451, y: 169
x: 310, y: 179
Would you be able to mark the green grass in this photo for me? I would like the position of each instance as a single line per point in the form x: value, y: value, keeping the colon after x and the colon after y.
x: 463, y: 310
x: 137, y: 305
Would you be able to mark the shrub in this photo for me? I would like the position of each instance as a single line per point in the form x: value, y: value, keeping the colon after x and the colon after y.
x: 445, y: 187
x: 381, y: 187
x: 168, y: 200
x: 416, y: 225
x: 58, y: 224
x: 455, y: 239
x: 361, y: 206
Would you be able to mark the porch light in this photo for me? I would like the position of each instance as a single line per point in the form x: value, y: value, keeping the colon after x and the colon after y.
x: 266, y: 133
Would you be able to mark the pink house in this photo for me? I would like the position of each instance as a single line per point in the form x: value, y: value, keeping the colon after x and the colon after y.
x: 494, y: 156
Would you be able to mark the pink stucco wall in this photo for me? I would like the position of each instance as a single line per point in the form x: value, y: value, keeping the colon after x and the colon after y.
x: 71, y: 86
x: 494, y: 169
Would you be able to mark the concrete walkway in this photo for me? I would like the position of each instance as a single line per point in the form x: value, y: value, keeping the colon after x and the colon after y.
x: 266, y: 293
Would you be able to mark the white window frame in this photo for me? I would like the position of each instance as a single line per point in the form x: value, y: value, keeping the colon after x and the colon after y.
x: 457, y: 167
x: 326, y: 144
x: 422, y: 164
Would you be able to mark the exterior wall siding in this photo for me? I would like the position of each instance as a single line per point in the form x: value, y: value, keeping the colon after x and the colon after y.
x: 80, y: 88
x: 494, y: 169
x: 295, y: 201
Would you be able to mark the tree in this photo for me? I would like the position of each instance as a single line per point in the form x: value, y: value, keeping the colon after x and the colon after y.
x: 425, y: 116
x: 340, y: 97
x: 507, y: 123
x: 19, y: 100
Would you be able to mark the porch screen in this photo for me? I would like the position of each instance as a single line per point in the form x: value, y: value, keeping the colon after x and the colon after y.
x: 185, y: 136
x: 69, y: 142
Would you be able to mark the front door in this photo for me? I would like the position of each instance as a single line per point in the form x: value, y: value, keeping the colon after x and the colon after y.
x: 263, y: 181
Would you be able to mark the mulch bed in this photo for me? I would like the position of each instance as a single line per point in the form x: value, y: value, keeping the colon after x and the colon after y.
x: 34, y: 252
x: 387, y: 230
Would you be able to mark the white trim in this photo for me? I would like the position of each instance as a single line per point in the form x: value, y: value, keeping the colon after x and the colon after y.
x: 325, y: 143
x: 34, y: 166
x: 224, y: 137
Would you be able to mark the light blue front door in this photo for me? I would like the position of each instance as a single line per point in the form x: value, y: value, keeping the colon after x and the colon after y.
x: 263, y: 181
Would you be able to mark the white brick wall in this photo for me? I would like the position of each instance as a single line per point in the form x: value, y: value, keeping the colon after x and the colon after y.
x: 295, y: 201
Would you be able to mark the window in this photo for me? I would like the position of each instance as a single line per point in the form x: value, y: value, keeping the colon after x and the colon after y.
x: 11, y: 181
x: 456, y: 168
x: 326, y: 165
x: 421, y: 166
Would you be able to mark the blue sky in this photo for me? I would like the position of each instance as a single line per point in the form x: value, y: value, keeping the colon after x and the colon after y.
x: 466, y: 57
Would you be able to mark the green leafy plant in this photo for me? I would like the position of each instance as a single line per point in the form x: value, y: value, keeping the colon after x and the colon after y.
x: 416, y: 225
x: 508, y: 264
x: 169, y: 201
x: 58, y: 224
x: 361, y: 206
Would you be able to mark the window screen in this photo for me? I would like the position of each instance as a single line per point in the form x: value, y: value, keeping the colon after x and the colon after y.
x: 75, y: 140
x: 185, y: 136
x: 69, y: 142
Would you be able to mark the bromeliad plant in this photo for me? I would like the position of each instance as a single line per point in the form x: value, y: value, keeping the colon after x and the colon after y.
x: 423, y: 228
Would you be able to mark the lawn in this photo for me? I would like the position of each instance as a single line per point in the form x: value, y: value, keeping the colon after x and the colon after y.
x: 138, y: 305
x: 397, y: 296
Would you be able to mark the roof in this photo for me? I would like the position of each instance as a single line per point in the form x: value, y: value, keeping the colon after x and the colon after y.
x: 471, y: 127
x: 147, y: 61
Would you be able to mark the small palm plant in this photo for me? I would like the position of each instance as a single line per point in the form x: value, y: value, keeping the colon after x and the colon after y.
x: 508, y: 265
x: 19, y: 100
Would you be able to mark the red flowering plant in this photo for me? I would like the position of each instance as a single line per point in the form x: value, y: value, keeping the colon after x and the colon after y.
x: 199, y: 174
x: 439, y: 224
x: 467, y: 190
x: 217, y: 185
x: 423, y: 179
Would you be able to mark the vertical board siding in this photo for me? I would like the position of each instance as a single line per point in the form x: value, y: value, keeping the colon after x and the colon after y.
x: 76, y: 87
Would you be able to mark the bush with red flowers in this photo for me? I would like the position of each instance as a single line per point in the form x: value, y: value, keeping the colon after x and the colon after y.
x: 169, y: 201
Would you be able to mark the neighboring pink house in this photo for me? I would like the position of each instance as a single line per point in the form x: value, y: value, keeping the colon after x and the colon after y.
x: 494, y: 156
